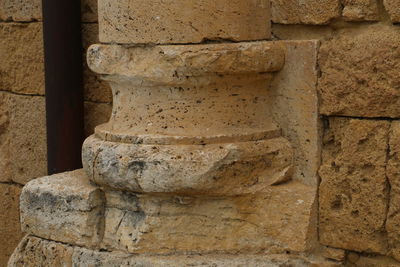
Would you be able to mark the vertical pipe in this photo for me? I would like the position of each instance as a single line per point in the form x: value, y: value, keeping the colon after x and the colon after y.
x: 64, y: 90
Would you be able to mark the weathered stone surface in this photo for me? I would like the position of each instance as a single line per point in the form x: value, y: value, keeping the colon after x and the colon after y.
x: 95, y: 89
x: 21, y: 10
x: 361, y: 10
x: 38, y: 252
x: 304, y: 12
x: 302, y: 32
x: 95, y: 114
x: 393, y: 8
x: 354, y: 192
x: 33, y: 252
x: 63, y: 207
x: 371, y: 261
x: 334, y: 253
x: 212, y: 169
x: 277, y: 220
x: 191, y: 21
x: 22, y: 138
x: 359, y: 73
x: 393, y: 174
x: 21, y: 54
x: 294, y: 102
x: 10, y: 232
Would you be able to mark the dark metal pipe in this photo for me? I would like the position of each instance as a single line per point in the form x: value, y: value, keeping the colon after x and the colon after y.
x: 64, y: 89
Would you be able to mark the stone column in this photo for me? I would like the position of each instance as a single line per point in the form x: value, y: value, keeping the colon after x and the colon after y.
x: 194, y: 159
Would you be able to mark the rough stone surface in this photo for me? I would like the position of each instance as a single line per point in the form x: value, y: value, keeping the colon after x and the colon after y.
x: 21, y: 54
x: 361, y: 10
x: 63, y: 207
x: 23, y: 138
x: 334, y: 253
x: 370, y: 261
x: 393, y: 8
x: 10, y: 232
x: 95, y: 114
x: 191, y: 21
x: 274, y: 221
x: 294, y: 102
x: 95, y: 89
x: 21, y: 10
x: 393, y: 174
x: 359, y: 83
x: 34, y: 252
x: 354, y: 192
x: 305, y: 12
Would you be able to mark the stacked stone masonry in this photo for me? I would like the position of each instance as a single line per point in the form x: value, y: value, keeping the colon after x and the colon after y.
x: 338, y: 194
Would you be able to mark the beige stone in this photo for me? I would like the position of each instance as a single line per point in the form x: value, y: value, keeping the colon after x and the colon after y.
x: 191, y: 21
x: 305, y: 12
x: 334, y: 253
x: 33, y: 252
x: 371, y: 261
x: 393, y: 8
x: 272, y: 222
x: 359, y: 72
x: 63, y: 207
x: 393, y: 174
x: 95, y: 89
x: 294, y: 102
x: 10, y: 231
x: 21, y: 10
x: 21, y: 54
x: 95, y: 114
x: 354, y: 192
x: 5, y: 158
x: 302, y: 32
x: 361, y: 10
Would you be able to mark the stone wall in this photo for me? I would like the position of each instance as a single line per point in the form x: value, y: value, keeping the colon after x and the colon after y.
x: 22, y: 105
x: 359, y: 87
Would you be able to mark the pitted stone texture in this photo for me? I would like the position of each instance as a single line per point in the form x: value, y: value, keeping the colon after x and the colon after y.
x: 359, y: 73
x: 277, y: 220
x: 361, y: 10
x: 334, y: 254
x: 190, y: 21
x: 393, y: 8
x: 305, y: 12
x: 294, y: 102
x: 95, y: 89
x: 214, y: 169
x: 21, y: 10
x: 188, y: 93
x: 354, y: 260
x: 23, y: 138
x: 35, y: 252
x: 21, y: 54
x: 354, y: 192
x: 63, y: 207
x: 393, y: 174
x: 10, y: 231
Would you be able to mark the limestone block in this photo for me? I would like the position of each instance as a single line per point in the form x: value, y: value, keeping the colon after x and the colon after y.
x: 334, y: 253
x: 33, y: 252
x: 361, y: 10
x: 371, y: 261
x: 294, y: 102
x: 191, y: 21
x: 63, y: 207
x: 393, y: 174
x: 21, y: 10
x: 393, y: 8
x: 213, y: 169
x: 305, y: 12
x: 10, y: 231
x: 95, y: 89
x: 359, y: 73
x: 273, y: 222
x: 95, y: 114
x: 23, y: 138
x: 21, y: 54
x: 354, y: 193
